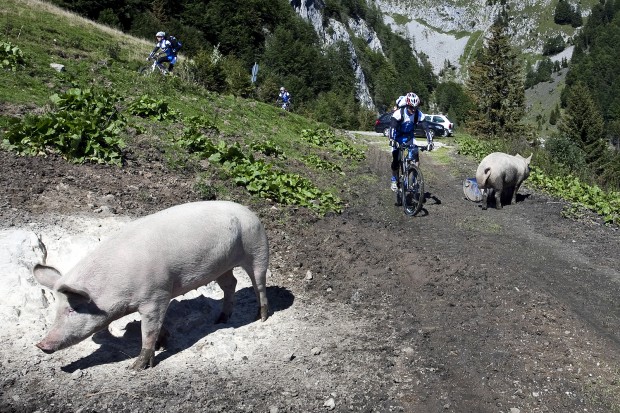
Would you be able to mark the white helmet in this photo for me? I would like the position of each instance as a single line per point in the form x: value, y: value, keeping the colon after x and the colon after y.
x: 282, y: 89
x: 412, y: 100
x: 160, y: 34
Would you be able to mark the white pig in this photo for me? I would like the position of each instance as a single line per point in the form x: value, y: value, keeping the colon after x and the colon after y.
x: 151, y: 261
x: 502, y: 173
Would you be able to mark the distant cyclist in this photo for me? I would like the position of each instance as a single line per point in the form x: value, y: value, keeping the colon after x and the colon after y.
x: 284, y: 97
x: 165, y: 46
x: 402, y: 129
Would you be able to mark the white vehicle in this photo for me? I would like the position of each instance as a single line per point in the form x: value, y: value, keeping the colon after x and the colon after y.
x: 443, y: 120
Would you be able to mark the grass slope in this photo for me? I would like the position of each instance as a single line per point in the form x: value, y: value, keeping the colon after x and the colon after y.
x: 104, y: 59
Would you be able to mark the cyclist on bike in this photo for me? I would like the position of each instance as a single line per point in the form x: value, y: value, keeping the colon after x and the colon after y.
x: 284, y: 97
x: 402, y: 128
x: 165, y: 46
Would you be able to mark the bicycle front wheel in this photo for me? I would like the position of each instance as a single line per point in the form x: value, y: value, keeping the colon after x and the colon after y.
x: 146, y: 70
x: 413, y: 190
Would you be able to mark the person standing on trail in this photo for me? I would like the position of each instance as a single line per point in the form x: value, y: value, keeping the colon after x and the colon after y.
x: 165, y: 46
x: 284, y: 97
x: 402, y: 129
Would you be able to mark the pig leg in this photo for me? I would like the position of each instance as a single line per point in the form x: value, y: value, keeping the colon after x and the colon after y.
x: 485, y: 194
x: 228, y: 284
x: 514, y: 194
x: 258, y: 274
x: 498, y: 197
x: 152, y: 315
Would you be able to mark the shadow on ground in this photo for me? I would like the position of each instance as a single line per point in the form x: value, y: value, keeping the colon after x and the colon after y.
x: 188, y: 322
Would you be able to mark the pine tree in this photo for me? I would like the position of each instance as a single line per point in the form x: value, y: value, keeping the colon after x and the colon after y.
x: 563, y: 13
x: 553, y: 116
x: 496, y: 87
x: 158, y: 7
x: 582, y: 123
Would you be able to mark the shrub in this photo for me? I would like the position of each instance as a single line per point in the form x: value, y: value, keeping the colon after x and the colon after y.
x: 10, y: 56
x: 566, y: 152
x: 86, y: 126
x: 206, y: 69
x: 156, y: 109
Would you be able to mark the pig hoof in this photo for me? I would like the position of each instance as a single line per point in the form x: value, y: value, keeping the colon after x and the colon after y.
x: 145, y: 359
x: 263, y: 313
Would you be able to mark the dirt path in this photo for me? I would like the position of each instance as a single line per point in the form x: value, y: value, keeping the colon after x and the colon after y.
x: 459, y: 310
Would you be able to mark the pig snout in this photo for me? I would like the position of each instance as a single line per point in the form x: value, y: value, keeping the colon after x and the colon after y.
x: 45, y: 347
x: 56, y: 341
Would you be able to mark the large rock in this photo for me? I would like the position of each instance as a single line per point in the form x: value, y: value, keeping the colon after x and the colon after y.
x: 20, y: 294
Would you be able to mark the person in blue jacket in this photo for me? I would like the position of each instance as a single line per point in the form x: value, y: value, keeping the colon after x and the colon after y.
x: 165, y: 46
x: 402, y: 128
x: 284, y: 97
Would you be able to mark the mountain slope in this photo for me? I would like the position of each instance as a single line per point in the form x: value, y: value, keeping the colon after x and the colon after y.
x: 171, y: 121
x: 451, y: 29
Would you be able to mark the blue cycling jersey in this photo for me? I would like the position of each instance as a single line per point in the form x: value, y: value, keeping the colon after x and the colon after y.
x: 403, y: 124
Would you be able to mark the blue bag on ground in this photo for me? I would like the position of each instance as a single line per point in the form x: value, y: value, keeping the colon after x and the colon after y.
x: 471, y: 190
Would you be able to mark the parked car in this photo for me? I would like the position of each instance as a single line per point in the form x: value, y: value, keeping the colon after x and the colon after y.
x: 443, y: 120
x: 382, y: 125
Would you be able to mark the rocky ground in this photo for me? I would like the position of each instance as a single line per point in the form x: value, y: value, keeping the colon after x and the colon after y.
x: 457, y: 310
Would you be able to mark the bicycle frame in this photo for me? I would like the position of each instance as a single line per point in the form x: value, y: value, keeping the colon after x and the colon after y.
x: 284, y: 105
x: 410, y: 193
x: 155, y: 66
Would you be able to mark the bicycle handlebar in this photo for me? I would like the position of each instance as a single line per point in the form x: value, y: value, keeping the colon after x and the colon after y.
x: 411, y: 144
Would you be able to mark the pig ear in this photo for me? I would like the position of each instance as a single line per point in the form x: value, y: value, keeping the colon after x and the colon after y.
x: 529, y: 158
x: 68, y: 290
x: 46, y: 276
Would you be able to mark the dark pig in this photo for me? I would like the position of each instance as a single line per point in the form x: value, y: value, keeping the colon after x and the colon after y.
x: 151, y: 261
x: 503, y: 174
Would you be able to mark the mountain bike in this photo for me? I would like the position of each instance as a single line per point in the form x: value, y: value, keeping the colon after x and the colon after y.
x: 410, y: 192
x: 286, y: 106
x: 153, y: 68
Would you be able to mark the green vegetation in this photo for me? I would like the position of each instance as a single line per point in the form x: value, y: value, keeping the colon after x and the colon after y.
x: 592, y: 80
x: 475, y: 42
x: 85, y: 127
x: 452, y: 100
x: 554, y: 45
x: 98, y: 109
x: 400, y: 19
x: 258, y: 176
x: 567, y: 14
x: 10, y: 56
x: 542, y: 71
x: 495, y: 86
x: 224, y: 38
x: 571, y: 188
x: 328, y: 139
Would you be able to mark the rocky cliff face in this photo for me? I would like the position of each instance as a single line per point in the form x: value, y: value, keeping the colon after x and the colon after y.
x: 448, y: 33
x: 335, y: 32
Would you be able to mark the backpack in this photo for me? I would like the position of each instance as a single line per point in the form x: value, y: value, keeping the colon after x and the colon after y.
x: 175, y: 44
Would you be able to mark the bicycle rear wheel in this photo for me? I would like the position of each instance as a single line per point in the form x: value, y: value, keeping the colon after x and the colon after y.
x: 413, y: 190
